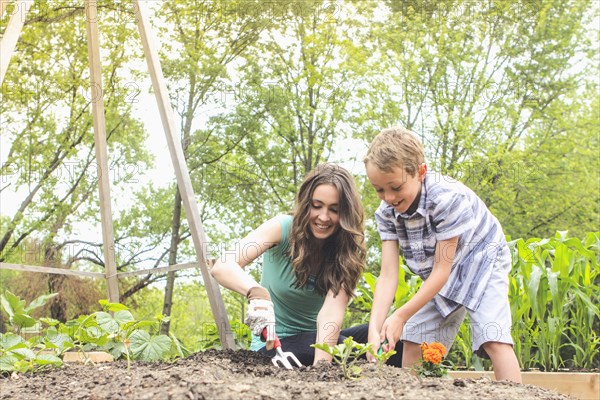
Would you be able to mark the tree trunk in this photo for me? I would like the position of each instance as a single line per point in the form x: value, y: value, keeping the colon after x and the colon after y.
x: 168, y: 302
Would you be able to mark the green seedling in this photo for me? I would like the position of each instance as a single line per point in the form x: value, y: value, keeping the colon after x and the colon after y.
x: 346, y: 354
x: 382, y: 356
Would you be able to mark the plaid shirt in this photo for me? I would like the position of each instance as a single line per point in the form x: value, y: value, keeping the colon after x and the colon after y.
x: 448, y: 209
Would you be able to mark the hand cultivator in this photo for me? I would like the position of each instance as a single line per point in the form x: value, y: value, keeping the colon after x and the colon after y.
x: 281, y: 356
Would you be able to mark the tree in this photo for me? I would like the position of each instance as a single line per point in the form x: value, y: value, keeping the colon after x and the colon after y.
x: 486, y: 85
x: 293, y: 104
x: 202, y: 38
x: 47, y: 121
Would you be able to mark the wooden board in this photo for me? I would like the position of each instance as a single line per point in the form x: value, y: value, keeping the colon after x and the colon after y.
x: 93, y: 356
x: 580, y: 385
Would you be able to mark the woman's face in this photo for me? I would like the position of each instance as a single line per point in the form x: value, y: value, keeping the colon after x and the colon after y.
x: 324, y: 208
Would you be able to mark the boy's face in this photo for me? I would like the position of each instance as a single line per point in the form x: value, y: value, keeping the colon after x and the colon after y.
x: 397, y: 188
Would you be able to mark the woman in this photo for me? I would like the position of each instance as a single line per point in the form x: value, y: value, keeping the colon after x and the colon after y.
x: 312, y: 262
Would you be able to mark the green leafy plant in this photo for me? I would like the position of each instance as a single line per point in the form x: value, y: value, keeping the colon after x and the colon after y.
x: 123, y: 336
x: 346, y: 354
x: 114, y: 329
x: 381, y: 356
x: 38, y: 352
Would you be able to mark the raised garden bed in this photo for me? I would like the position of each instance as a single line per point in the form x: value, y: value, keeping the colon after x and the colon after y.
x: 248, y: 375
x: 580, y: 385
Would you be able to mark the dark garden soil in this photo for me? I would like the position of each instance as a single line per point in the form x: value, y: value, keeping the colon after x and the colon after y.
x: 248, y: 375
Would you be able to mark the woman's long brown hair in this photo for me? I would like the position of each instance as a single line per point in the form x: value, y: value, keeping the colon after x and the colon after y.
x: 342, y: 259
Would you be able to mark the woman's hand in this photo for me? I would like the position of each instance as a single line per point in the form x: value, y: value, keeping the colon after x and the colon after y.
x: 260, y: 314
x: 375, y: 341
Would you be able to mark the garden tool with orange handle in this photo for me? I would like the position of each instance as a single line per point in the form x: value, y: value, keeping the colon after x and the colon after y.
x: 281, y: 356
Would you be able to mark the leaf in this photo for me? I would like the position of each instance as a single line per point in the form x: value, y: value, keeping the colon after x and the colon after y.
x: 533, y: 287
x: 355, y: 370
x: 106, y: 322
x: 24, y: 353
x: 116, y: 307
x: 116, y: 349
x: 40, y: 301
x: 8, y: 340
x: 59, y: 340
x: 50, y: 321
x: 23, y: 321
x: 178, y: 349
x: 12, y: 304
x: 47, y: 359
x: 147, y: 348
x: 93, y: 335
x: 7, y: 363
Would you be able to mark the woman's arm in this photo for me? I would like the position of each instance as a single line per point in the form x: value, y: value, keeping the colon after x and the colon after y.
x: 386, y: 286
x: 385, y: 290
x: 228, y: 270
x: 329, y: 322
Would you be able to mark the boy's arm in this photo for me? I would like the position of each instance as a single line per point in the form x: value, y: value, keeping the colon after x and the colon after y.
x: 385, y: 289
x: 329, y: 322
x: 444, y: 257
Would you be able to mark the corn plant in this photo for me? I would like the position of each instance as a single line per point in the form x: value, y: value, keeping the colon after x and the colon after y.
x: 554, y: 295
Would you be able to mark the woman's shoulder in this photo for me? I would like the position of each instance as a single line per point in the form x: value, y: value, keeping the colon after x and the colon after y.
x: 277, y: 229
x: 284, y: 218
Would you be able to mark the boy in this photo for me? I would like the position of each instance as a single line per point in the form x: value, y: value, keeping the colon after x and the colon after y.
x: 452, y: 241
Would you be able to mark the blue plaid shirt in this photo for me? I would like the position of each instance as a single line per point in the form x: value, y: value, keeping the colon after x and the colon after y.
x: 448, y: 209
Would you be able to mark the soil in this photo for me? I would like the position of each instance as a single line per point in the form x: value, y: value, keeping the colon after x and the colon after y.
x: 248, y: 375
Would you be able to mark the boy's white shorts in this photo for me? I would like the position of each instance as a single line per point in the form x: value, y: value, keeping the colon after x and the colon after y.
x: 490, y: 323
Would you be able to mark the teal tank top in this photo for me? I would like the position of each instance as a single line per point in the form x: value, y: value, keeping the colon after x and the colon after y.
x: 296, y: 309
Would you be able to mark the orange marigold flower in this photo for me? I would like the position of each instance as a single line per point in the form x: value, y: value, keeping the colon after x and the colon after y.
x: 432, y: 355
x: 424, y: 346
x: 438, y: 346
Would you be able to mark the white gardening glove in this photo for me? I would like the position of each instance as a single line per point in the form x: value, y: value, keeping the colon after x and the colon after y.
x: 260, y: 314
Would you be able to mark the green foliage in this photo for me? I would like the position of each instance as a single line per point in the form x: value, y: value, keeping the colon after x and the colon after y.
x: 504, y: 96
x: 36, y: 353
x: 430, y: 370
x: 18, y: 313
x: 51, y: 163
x: 408, y: 284
x: 346, y: 354
x: 554, y: 295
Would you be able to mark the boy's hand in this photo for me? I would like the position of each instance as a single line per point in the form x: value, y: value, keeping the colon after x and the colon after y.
x: 392, y: 331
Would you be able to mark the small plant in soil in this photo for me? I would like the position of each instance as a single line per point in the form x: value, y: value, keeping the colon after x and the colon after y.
x: 346, y: 354
x: 382, y: 356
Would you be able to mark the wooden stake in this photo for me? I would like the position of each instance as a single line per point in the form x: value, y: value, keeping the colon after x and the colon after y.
x: 3, y: 5
x: 97, y: 100
x: 183, y: 178
x: 12, y: 33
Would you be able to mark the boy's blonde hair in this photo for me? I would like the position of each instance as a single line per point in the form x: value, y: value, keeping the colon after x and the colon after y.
x: 396, y: 147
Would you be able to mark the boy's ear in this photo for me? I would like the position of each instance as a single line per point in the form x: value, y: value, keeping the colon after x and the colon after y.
x: 422, y: 171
